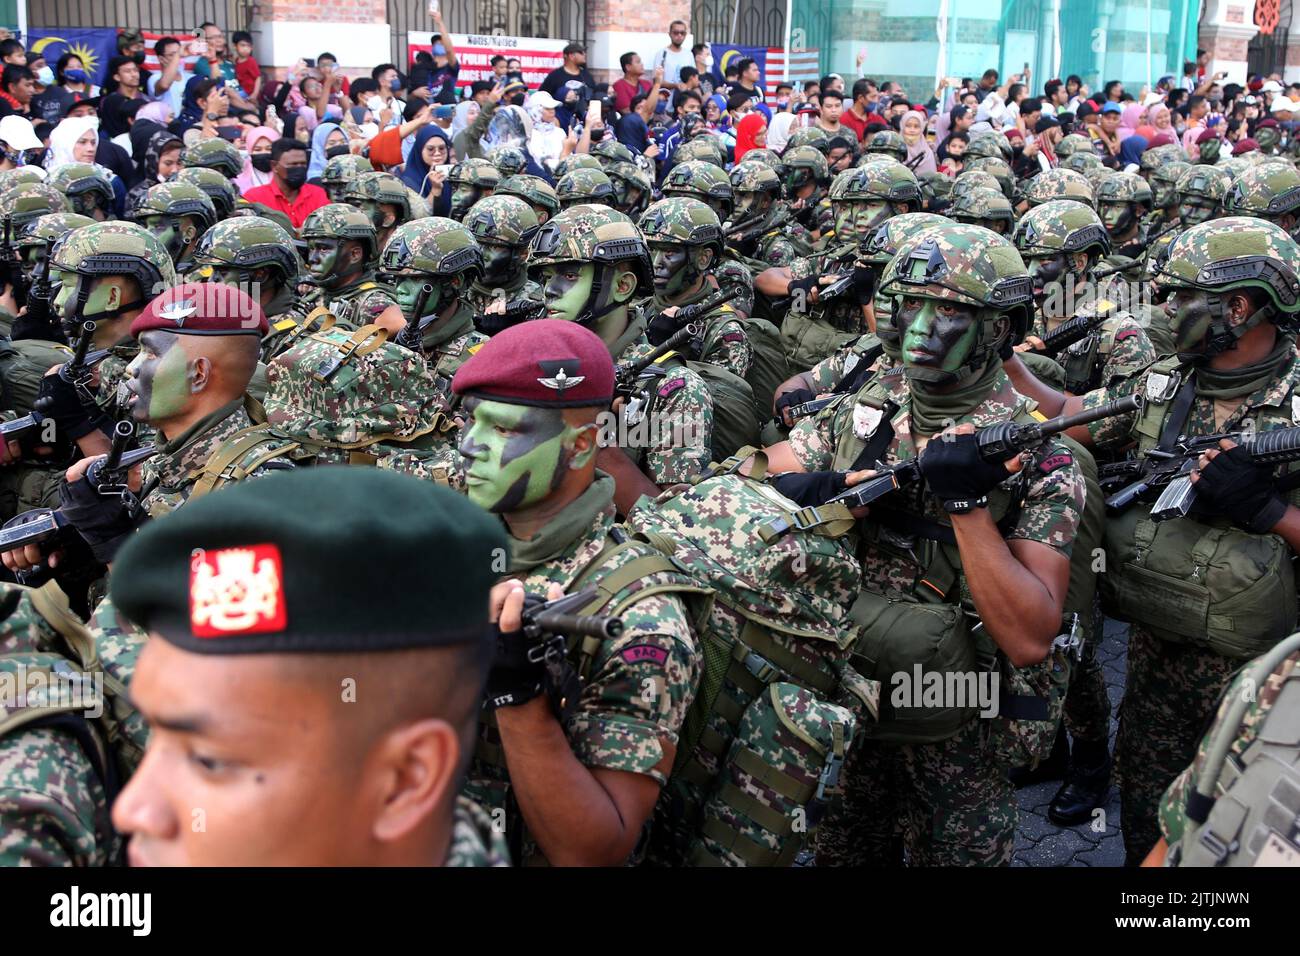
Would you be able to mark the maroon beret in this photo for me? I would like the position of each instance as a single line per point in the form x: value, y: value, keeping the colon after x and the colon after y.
x: 1244, y: 146
x: 548, y: 363
x: 203, y: 308
x: 1268, y: 123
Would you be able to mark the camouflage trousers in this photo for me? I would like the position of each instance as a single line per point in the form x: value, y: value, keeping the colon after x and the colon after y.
x: 1169, y: 698
x: 942, y: 804
x: 1087, y: 708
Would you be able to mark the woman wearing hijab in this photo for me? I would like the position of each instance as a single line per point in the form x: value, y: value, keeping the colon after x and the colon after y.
x: 751, y: 133
x: 258, y: 142
x: 1162, y: 126
x: 432, y: 148
x: 156, y: 112
x: 920, y: 158
x: 715, y: 111
x: 324, y: 137
x: 464, y: 114
x: 191, y: 108
x: 76, y: 140
x: 161, y: 160
x: 1129, y: 120
x: 778, y: 131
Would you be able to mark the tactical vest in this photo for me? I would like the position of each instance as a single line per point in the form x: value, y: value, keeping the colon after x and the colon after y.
x: 1198, y: 581
x: 1245, y: 810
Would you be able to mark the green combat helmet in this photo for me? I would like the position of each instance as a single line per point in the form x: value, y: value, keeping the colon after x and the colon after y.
x: 341, y: 170
x: 22, y: 174
x: 813, y: 136
x: 888, y: 142
x: 576, y: 161
x: 1270, y: 191
x: 1155, y: 157
x: 679, y: 221
x: 973, y: 179
x: 990, y: 144
x: 1226, y: 255
x: 537, y: 192
x: 1201, y: 191
x: 471, y: 180
x: 696, y: 179
x: 609, y: 151
x: 876, y: 253
x: 970, y: 265
x: 871, y: 159
x: 223, y: 193
x: 384, y: 200
x: 1210, y: 150
x: 503, y: 226
x: 114, y: 249
x: 1072, y: 144
x: 327, y: 228
x: 1060, y: 226
x: 232, y: 250
x: 598, y: 235
x: 984, y: 207
x: 1122, y: 199
x: 245, y: 208
x: 705, y: 147
x: 216, y: 154
x: 428, y: 262
x: 177, y: 214
x: 509, y: 160
x: 37, y: 236
x: 1164, y: 183
x: 1057, y: 184
x: 996, y: 167
x: 805, y: 164
x: 24, y: 202
x: 89, y: 189
x: 584, y: 186
x: 865, y: 196
x: 1267, y: 138
x: 768, y: 158
x: 936, y: 189
x: 755, y: 188
x: 1083, y: 162
x: 632, y: 187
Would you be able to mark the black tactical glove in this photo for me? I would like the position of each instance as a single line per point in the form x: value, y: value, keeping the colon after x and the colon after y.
x: 59, y: 400
x: 864, y: 285
x: 796, y: 396
x: 661, y: 328
x: 810, y: 488
x: 801, y: 291
x: 1233, y: 485
x: 519, y: 669
x: 103, y: 521
x: 953, y: 469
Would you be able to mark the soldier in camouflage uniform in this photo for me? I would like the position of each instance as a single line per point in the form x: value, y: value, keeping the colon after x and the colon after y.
x: 509, y: 160
x: 1236, y: 361
x: 417, y: 698
x: 1086, y: 163
x: 807, y: 177
x: 889, y: 143
x: 1270, y: 191
x: 576, y: 161
x: 685, y: 239
x: 592, y: 263
x: 1052, y: 184
x: 609, y: 152
x: 695, y: 179
x: 216, y: 154
x: 813, y: 136
x: 23, y: 174
x: 984, y: 207
x: 503, y: 226
x: 974, y: 179
x: 537, y: 192
x: 960, y: 292
x: 89, y: 189
x: 223, y: 193
x: 1072, y: 144
x: 1164, y: 198
x: 177, y: 214
x: 706, y: 147
x: 341, y: 255
x: 1201, y: 190
x: 471, y: 180
x: 936, y: 190
x: 996, y: 167
x: 763, y: 226
x: 1122, y: 200
x: 383, y: 198
x: 341, y: 170
x: 1155, y: 157
x: 430, y: 264
x: 632, y: 187
x: 22, y: 203
x: 530, y: 447
x: 251, y: 252
x: 581, y: 187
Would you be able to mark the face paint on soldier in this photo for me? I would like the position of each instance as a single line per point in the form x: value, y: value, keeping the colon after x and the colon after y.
x: 499, y: 262
x: 940, y: 334
x: 463, y: 196
x: 861, y: 218
x: 1117, y: 217
x: 410, y: 290
x: 516, y: 455
x: 566, y: 288
x: 107, y: 295
x: 1046, y: 271
x: 750, y: 206
x: 323, y: 256
x: 1165, y: 195
x: 672, y: 272
x: 1190, y: 318
x: 175, y: 234
x: 161, y: 379
x: 1195, y: 210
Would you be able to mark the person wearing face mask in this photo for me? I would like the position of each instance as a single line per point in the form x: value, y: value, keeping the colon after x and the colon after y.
x: 341, y: 257
x: 503, y: 294
x: 288, y: 191
x: 257, y: 166
x: 324, y: 138
x: 16, y: 138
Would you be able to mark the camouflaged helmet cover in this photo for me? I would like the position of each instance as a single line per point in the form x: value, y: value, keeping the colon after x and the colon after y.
x: 47, y: 229
x: 1155, y: 157
x: 216, y: 154
x: 584, y: 186
x: 767, y: 157
x: 812, y: 136
x: 382, y: 188
x: 176, y: 198
x: 699, y: 179
x: 24, y: 202
x: 982, y: 204
x: 505, y: 220
x: 680, y: 220
x: 1237, y: 252
x: 810, y: 158
x: 705, y: 147
x: 871, y: 159
x: 591, y: 233
x: 1072, y: 144
x: 223, y: 193
x: 575, y: 161
x: 338, y: 220
x: 890, y: 181
x: 631, y: 174
x: 1083, y: 161
x: 1060, y: 225
x: 996, y: 167
x: 970, y: 179
x: 1270, y: 189
x: 388, y: 394
x: 249, y: 242
x: 961, y: 263
x: 747, y: 177
x: 473, y: 172
x: 1058, y: 183
x: 611, y: 151
x: 531, y: 189
x: 1125, y: 187
x: 934, y: 185
x: 889, y: 142
x: 1209, y: 182
x: 434, y: 246
x: 116, y: 248
x: 1168, y: 173
x: 990, y: 144
x: 342, y: 169
x: 77, y: 178
x: 897, y: 230
x: 22, y: 174
x: 509, y: 160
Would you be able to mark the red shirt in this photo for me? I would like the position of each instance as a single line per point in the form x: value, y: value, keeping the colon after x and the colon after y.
x: 247, y: 72
x: 310, y: 198
x: 624, y: 91
x: 859, y: 126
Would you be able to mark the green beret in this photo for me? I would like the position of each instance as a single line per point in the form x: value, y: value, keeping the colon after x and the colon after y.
x: 321, y: 560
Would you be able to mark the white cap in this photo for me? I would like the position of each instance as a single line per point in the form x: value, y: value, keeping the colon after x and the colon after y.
x: 18, y: 133
x: 543, y: 100
x: 1272, y: 86
x: 1283, y: 105
x: 1152, y: 99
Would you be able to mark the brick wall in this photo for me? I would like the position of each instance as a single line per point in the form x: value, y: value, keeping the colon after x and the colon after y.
x: 326, y: 11
x: 636, y: 16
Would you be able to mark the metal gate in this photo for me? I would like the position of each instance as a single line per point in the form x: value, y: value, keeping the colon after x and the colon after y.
x: 1267, y: 54
x: 745, y: 22
x: 178, y: 18
x: 559, y: 19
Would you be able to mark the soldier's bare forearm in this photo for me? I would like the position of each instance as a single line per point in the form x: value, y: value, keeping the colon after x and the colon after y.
x: 1050, y: 401
x: 1289, y: 528
x: 630, y: 482
x: 775, y: 281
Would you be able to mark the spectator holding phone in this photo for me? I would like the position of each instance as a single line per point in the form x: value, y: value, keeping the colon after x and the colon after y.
x: 167, y: 83
x: 441, y: 85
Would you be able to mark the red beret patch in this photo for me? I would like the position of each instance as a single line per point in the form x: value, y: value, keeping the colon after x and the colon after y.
x: 672, y: 385
x: 237, y: 591
x: 1053, y: 462
x: 1126, y: 334
x: 733, y: 337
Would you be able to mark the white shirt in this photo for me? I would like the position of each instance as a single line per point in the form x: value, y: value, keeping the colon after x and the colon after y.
x: 174, y: 95
x: 673, y: 62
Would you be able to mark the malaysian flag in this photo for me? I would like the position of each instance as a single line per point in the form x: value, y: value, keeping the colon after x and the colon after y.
x: 798, y: 66
x: 151, y: 59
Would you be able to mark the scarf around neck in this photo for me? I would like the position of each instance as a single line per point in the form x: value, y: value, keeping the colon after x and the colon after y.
x: 934, y: 411
x: 565, y: 528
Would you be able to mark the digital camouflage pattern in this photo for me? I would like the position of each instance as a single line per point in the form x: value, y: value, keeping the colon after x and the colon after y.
x: 1164, y: 183
x: 706, y: 182
x: 116, y: 248
x: 248, y: 243
x: 475, y: 172
x: 24, y: 202
x: 983, y: 207
x: 611, y: 151
x: 86, y: 185
x: 889, y: 142
x: 1057, y: 183
x: 216, y: 154
x: 370, y: 190
x: 509, y: 160
x: 632, y: 187
x: 575, y: 161
x: 508, y: 222
x: 21, y: 174
x: 176, y: 199
x: 1072, y: 144
x: 974, y: 179
x: 991, y: 143
x: 1266, y: 191
x: 364, y: 299
x: 705, y: 147
x: 474, y: 839
x: 583, y: 186
x: 537, y: 192
x: 1201, y: 191
x: 813, y: 136
x: 1157, y: 156
x: 341, y: 170
x: 996, y: 167
x: 223, y: 193
x: 771, y: 236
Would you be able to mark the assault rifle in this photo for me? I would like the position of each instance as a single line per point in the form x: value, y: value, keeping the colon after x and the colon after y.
x: 996, y: 443
x: 35, y: 322
x: 625, y: 376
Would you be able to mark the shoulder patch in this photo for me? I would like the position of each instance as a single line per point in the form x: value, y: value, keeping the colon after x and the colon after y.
x: 285, y: 325
x: 1126, y: 334
x: 733, y: 336
x: 670, y: 386
x: 644, y: 652
x: 1054, y: 462
x: 474, y: 348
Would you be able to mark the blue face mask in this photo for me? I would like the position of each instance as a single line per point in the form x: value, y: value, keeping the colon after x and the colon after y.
x: 439, y: 50
x: 76, y: 76
x: 395, y: 85
x: 45, y: 76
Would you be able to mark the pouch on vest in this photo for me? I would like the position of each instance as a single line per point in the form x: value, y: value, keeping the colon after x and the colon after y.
x: 735, y: 423
x: 808, y: 340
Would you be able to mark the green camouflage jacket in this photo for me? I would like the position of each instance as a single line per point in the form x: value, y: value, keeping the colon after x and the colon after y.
x: 474, y: 840
x: 480, y: 296
x: 448, y: 344
x: 1117, y: 349
x: 726, y: 343
x: 357, y: 305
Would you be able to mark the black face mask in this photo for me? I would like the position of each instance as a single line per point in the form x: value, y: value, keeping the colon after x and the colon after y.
x: 138, y: 58
x: 261, y: 162
x: 339, y: 150
x: 296, y: 177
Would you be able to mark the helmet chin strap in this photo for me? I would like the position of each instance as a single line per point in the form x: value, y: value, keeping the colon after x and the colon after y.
x: 601, y: 288
x: 1224, y: 337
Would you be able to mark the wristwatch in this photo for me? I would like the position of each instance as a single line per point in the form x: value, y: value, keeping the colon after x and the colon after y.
x: 213, y: 117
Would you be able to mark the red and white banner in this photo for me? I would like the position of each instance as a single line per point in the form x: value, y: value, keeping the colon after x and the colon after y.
x: 799, y: 66
x: 537, y: 56
x: 151, y: 59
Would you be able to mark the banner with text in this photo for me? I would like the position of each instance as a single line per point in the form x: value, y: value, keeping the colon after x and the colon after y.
x: 537, y: 56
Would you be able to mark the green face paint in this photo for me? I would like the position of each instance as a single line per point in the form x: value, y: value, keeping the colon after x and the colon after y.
x: 1189, y: 318
x: 567, y: 289
x: 499, y: 262
x: 940, y: 335
x: 408, y: 292
x: 463, y: 196
x: 1195, y: 210
x: 167, y: 230
x: 1117, y: 217
x: 514, y: 455
x: 66, y: 294
x: 323, y: 257
x: 673, y: 274
x: 750, y: 205
x: 1165, y: 195
x: 158, y: 378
